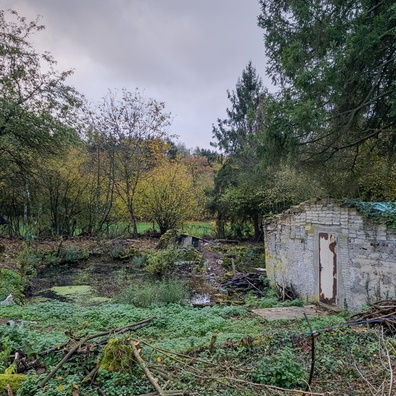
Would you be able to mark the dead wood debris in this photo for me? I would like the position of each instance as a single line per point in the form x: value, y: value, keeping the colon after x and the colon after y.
x: 249, y: 282
x: 286, y: 293
x: 381, y: 314
x: 82, y: 342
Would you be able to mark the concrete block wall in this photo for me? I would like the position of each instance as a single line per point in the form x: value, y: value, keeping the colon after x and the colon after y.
x: 366, y: 252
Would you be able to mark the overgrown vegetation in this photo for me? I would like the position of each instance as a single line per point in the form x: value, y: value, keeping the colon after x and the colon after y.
x: 67, y: 169
x: 165, y: 262
x: 244, y: 258
x: 248, y: 354
x: 145, y: 294
x: 213, y: 350
x: 11, y: 283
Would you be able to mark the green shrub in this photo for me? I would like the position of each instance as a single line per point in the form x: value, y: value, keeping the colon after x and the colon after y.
x: 240, y: 231
x: 50, y: 259
x: 72, y: 254
x: 122, y: 252
x: 5, y: 353
x: 282, y: 369
x: 11, y: 283
x: 29, y: 260
x: 164, y: 262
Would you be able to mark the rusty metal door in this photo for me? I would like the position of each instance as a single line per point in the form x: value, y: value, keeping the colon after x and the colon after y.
x: 328, y: 268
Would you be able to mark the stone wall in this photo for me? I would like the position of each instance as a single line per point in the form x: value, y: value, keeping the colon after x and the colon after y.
x: 366, y: 252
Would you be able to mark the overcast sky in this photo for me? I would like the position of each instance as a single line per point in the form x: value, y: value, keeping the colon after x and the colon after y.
x: 186, y: 53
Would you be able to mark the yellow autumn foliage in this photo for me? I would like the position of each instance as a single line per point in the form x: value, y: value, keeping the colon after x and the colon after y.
x: 170, y: 196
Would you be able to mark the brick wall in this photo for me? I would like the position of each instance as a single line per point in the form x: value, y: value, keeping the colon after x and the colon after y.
x: 366, y: 252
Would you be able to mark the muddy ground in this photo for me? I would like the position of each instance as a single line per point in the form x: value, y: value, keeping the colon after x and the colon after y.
x: 101, y: 271
x: 10, y: 248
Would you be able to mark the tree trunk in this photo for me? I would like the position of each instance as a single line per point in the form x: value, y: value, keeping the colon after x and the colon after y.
x: 257, y: 229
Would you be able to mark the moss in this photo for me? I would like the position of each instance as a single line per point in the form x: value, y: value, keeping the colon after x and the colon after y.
x: 121, y: 252
x: 14, y: 380
x: 169, y: 240
x: 79, y: 294
x: 117, y: 356
x: 72, y: 290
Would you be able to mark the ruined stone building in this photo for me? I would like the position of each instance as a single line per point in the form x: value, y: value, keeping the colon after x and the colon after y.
x: 332, y: 253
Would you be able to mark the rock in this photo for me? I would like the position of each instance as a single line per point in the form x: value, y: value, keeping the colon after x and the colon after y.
x: 8, y: 301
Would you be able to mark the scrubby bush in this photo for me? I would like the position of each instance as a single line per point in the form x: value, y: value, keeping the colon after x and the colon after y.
x: 164, y: 262
x: 72, y: 254
x: 29, y: 261
x: 11, y: 283
x: 123, y: 252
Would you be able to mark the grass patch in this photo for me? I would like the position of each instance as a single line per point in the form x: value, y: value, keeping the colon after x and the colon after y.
x: 144, y: 295
x: 200, y: 228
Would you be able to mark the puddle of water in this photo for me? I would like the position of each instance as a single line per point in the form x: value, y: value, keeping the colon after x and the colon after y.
x: 99, y: 281
x: 200, y: 299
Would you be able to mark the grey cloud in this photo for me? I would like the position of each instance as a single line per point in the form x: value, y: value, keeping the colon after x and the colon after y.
x: 184, y: 52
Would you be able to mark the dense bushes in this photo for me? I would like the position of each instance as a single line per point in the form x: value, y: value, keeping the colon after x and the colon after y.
x: 11, y: 283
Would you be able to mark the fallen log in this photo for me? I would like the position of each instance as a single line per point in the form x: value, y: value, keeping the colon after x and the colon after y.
x: 79, y: 344
x: 168, y: 393
x: 145, y: 369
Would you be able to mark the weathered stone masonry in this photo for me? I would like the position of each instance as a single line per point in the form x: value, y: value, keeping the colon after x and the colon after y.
x: 364, y: 257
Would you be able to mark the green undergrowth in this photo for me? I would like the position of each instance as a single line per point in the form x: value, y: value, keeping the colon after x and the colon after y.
x: 219, y: 341
x: 11, y: 283
x: 245, y: 258
x: 145, y: 294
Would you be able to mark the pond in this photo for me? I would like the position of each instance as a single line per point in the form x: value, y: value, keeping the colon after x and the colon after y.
x: 96, y: 282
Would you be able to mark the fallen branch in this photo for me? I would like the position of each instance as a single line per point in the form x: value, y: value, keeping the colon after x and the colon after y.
x: 91, y: 375
x: 144, y: 367
x: 171, y: 354
x: 311, y: 373
x: 254, y: 384
x: 9, y: 390
x: 169, y: 393
x: 78, y: 345
x: 121, y: 330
